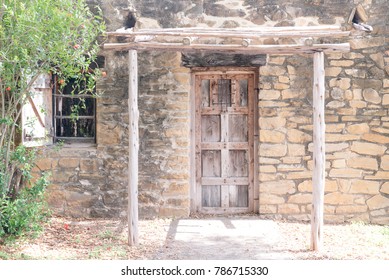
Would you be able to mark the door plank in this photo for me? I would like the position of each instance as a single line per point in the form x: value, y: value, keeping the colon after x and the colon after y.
x: 211, y: 196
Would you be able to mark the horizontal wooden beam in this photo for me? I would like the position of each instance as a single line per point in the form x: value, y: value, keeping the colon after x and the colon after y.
x: 246, y: 33
x: 217, y: 48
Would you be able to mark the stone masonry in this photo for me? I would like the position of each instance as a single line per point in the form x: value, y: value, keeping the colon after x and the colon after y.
x: 91, y: 181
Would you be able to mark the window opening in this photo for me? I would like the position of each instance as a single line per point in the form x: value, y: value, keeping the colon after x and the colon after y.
x: 74, y: 114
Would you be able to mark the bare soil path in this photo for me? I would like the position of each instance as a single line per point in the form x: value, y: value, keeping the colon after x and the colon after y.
x: 240, y: 237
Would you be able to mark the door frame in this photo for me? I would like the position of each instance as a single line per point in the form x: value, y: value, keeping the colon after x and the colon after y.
x: 254, y: 199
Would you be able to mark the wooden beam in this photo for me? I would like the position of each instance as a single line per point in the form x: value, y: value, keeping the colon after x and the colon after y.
x: 249, y: 33
x: 318, y: 180
x: 251, y: 49
x: 133, y: 111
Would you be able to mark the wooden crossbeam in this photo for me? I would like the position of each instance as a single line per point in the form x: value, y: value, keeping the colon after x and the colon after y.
x: 250, y: 49
x: 249, y: 33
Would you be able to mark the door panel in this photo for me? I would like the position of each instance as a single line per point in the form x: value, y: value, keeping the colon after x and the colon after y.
x: 224, y: 117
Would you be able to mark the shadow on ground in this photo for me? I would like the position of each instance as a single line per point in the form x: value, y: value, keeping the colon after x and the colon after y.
x: 221, y: 238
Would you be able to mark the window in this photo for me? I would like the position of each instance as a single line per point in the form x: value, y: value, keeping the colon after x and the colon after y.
x: 55, y: 114
x: 74, y: 115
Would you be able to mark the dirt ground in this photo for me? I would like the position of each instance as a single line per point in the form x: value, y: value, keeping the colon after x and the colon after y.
x: 240, y: 237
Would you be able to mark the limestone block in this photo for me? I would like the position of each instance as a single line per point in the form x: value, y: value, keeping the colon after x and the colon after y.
x: 107, y: 135
x: 347, y: 209
x: 378, y: 58
x: 266, y: 198
x: 371, y: 95
x: 377, y: 202
x: 297, y: 136
x: 291, y: 159
x: 44, y: 163
x: 267, y: 169
x: 338, y: 198
x: 264, y: 177
x: 278, y: 187
x: 290, y: 167
x: 300, y: 198
x: 330, y: 148
x: 89, y: 165
x: 384, y: 220
x: 357, y: 73
x: 385, y: 188
x: 280, y: 86
x: 385, y: 99
x: 380, y: 175
x: 272, y: 123
x: 363, y: 163
x: 386, y: 83
x: 264, y: 160
x: 69, y: 162
x: 358, y: 128
x: 288, y: 209
x: 385, y: 162
x: 56, y: 198
x: 272, y: 71
x: 342, y: 83
x: 345, y: 173
x: 339, y: 163
x: 271, y: 136
x: 342, y: 63
x: 363, y: 43
x: 277, y: 60
x: 299, y: 175
x: 364, y: 187
x: 61, y: 176
x: 286, y: 80
x: 376, y: 138
x: 296, y: 150
x: 306, y: 186
x: 358, y: 104
x: 335, y: 104
x: 176, y: 189
x: 332, y: 137
x: 291, y: 93
x: 272, y: 150
x: 333, y: 71
x: 268, y: 209
x: 368, y: 148
x: 269, y: 94
x: 380, y: 130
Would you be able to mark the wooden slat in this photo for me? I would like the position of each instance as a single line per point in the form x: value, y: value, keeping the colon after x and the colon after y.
x: 243, y: 33
x: 197, y: 132
x: 252, y: 104
x: 229, y: 146
x: 230, y: 110
x: 225, y: 181
x: 217, y: 48
x: 133, y: 234
x: 318, y: 180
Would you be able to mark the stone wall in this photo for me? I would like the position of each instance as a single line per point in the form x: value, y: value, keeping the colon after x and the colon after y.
x: 357, y: 104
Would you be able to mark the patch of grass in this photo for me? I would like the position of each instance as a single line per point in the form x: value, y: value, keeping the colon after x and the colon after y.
x: 385, y: 231
x: 108, y: 251
x: 4, y: 256
x: 107, y: 234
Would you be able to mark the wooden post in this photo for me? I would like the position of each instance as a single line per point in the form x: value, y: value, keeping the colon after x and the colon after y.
x: 133, y: 113
x: 318, y: 180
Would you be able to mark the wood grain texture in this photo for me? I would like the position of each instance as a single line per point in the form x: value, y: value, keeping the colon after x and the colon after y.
x: 318, y: 179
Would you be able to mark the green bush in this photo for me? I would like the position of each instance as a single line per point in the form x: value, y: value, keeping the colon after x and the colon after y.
x: 23, y: 210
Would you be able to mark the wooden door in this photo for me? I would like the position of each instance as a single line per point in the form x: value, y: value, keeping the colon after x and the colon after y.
x: 224, y: 121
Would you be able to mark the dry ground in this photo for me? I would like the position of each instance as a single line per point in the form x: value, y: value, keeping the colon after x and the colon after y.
x: 65, y: 238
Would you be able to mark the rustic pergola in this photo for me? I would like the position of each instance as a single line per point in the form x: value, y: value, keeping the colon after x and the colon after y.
x: 237, y: 41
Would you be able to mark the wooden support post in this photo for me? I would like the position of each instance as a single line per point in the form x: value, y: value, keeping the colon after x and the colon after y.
x: 133, y: 113
x: 318, y: 180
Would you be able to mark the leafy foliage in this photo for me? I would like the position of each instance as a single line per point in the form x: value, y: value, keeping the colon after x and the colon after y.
x: 36, y: 37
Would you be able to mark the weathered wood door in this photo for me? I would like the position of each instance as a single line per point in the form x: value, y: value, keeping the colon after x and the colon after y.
x: 224, y: 122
